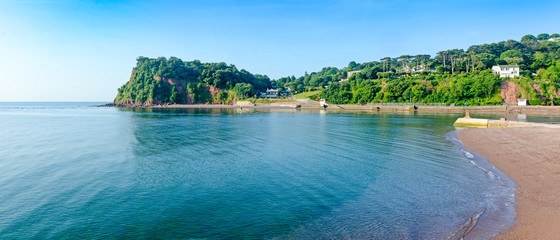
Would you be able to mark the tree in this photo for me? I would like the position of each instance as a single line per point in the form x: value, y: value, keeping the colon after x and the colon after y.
x: 174, y: 94
x: 424, y: 59
x: 513, y: 60
x: 540, y: 60
x: 386, y: 63
x: 512, y: 57
x: 222, y: 97
x: 527, y: 39
x: 243, y: 90
x: 543, y: 36
x: 530, y: 41
x: 404, y: 60
x: 510, y: 54
x: 352, y: 65
x: 551, y: 91
x: 441, y: 56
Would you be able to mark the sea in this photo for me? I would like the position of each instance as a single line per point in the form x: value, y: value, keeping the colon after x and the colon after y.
x: 74, y: 170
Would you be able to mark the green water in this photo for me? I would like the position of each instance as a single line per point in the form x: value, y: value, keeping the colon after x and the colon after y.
x: 70, y: 170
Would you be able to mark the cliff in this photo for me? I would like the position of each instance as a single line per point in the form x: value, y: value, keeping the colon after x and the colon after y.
x: 536, y: 93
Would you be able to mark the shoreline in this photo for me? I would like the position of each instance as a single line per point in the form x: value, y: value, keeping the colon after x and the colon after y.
x: 498, y: 212
x: 530, y: 157
x: 496, y: 109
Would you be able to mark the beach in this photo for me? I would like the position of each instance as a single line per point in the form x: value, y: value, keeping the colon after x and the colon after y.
x: 531, y: 157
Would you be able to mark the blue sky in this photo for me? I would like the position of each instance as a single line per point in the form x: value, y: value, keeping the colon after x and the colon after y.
x: 65, y: 50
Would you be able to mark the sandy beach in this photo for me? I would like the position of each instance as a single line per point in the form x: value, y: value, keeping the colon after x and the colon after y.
x: 531, y: 157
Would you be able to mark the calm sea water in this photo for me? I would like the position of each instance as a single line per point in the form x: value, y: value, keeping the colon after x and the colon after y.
x: 71, y: 170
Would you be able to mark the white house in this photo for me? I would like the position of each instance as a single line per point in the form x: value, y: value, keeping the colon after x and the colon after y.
x: 521, y: 102
x: 506, y: 71
x: 270, y: 93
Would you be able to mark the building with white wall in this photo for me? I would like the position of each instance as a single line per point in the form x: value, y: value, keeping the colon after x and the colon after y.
x: 506, y: 71
x: 270, y: 93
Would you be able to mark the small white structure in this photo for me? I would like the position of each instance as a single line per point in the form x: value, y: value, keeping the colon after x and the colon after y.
x: 521, y: 102
x: 323, y: 103
x: 506, y: 71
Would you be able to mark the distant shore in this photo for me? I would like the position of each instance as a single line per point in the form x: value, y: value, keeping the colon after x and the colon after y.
x: 498, y: 109
x: 199, y: 106
x: 531, y: 157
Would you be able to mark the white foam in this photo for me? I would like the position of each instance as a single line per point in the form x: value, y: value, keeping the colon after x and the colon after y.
x: 468, y: 154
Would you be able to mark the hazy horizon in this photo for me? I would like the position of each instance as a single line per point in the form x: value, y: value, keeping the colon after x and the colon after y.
x: 85, y: 50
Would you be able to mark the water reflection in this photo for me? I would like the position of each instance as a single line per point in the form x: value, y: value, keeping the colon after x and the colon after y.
x: 265, y: 172
x: 69, y: 172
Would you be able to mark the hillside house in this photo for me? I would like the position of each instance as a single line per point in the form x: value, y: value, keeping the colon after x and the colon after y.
x: 405, y: 69
x: 270, y: 93
x: 348, y: 75
x: 506, y: 71
x: 422, y: 69
x: 552, y: 39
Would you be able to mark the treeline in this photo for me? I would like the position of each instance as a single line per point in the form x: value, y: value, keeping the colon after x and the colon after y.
x: 161, y: 80
x: 476, y: 89
x: 452, y: 76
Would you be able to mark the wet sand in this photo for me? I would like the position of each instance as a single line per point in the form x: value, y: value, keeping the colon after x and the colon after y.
x: 531, y: 157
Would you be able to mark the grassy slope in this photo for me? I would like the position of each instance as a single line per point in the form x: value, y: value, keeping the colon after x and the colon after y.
x: 305, y: 95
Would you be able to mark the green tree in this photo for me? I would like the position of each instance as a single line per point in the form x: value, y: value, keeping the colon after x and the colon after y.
x: 510, y: 53
x: 243, y: 90
x: 174, y: 95
x: 512, y: 57
x: 543, y: 36
x: 528, y: 39
x: 352, y: 65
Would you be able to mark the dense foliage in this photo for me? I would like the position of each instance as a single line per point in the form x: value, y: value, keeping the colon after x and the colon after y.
x: 477, y: 89
x: 452, y: 76
x: 161, y: 80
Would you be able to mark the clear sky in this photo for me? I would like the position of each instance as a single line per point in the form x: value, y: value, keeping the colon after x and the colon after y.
x: 65, y: 50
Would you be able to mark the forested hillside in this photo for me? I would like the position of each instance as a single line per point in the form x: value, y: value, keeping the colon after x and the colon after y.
x: 161, y: 80
x: 452, y: 76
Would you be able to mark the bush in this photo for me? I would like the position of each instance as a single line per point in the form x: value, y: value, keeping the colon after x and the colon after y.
x: 535, y: 102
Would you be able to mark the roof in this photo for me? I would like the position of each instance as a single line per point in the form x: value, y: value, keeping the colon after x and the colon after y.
x: 508, y: 66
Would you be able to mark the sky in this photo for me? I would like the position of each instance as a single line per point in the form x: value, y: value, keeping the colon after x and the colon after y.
x: 81, y: 50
